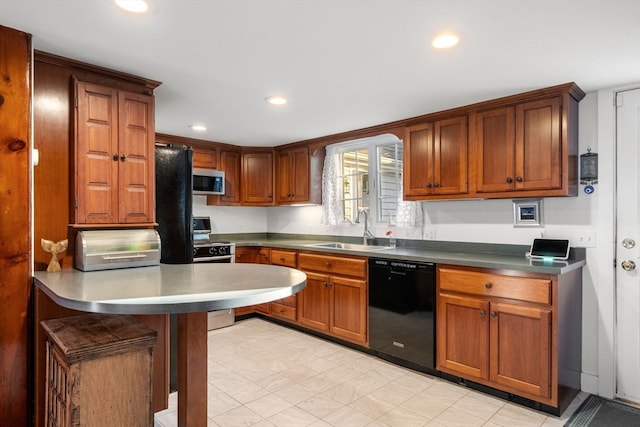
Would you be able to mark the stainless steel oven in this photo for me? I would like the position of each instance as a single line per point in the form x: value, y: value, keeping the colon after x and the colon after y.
x: 206, y: 250
x: 214, y: 252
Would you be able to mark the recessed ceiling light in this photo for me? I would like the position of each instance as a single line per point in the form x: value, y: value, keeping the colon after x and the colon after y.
x: 445, y: 41
x: 137, y: 6
x: 276, y: 100
x: 198, y: 128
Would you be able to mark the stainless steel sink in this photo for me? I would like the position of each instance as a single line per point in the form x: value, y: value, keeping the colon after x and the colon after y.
x: 349, y: 246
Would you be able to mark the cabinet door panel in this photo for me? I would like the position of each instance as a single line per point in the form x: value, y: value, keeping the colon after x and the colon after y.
x: 300, y: 177
x: 136, y: 165
x: 230, y: 164
x: 521, y: 348
x: 314, y: 302
x: 538, y: 144
x: 450, y: 156
x: 284, y: 176
x: 257, y: 178
x: 349, y: 308
x: 418, y: 160
x: 462, y: 336
x: 96, y: 142
x: 495, y: 160
x: 205, y: 158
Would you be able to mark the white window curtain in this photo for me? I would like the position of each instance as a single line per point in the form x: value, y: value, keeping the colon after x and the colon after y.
x: 332, y: 213
x: 409, y: 214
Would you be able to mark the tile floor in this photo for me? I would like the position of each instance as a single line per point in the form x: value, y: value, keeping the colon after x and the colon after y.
x: 262, y: 374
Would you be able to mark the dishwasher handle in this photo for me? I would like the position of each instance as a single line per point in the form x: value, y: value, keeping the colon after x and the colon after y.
x: 398, y: 272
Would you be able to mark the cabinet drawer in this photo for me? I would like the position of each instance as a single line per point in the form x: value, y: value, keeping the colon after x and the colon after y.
x: 282, y: 257
x: 494, y: 285
x: 284, y: 311
x: 356, y: 267
x: 290, y: 301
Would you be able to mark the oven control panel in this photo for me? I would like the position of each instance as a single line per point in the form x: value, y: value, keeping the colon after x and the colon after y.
x: 214, y: 252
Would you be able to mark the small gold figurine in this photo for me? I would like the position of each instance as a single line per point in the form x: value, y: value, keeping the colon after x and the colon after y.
x: 54, y: 249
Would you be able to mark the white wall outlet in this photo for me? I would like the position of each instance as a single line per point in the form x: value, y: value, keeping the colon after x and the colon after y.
x: 429, y: 233
x: 585, y: 239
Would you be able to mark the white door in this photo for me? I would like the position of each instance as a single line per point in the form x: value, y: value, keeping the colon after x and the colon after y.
x: 628, y: 246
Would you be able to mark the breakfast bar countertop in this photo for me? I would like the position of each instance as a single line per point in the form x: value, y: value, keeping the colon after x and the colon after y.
x: 170, y: 288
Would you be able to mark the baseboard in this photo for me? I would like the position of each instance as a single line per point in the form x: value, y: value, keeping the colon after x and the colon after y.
x: 589, y: 383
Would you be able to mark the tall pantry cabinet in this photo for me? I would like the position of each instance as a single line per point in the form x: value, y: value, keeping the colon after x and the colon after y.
x: 115, y: 116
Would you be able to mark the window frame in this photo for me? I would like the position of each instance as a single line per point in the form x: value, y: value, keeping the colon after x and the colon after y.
x: 374, y: 199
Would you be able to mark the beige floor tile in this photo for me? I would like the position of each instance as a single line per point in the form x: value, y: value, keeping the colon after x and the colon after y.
x: 479, y: 405
x: 513, y: 415
x: 348, y: 417
x: 268, y: 405
x: 320, y: 405
x: 238, y: 417
x: 400, y: 416
x: 265, y: 375
x: 295, y: 393
x: 453, y: 417
x: 293, y: 417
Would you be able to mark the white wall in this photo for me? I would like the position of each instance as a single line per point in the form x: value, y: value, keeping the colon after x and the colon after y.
x: 491, y: 221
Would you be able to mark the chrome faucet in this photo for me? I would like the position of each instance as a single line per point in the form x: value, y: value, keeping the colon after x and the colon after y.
x: 367, y: 234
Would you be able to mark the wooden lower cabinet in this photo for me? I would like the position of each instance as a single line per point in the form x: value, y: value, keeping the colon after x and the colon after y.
x: 80, y: 350
x: 505, y: 331
x: 335, y: 298
x: 46, y: 309
x: 255, y: 255
x: 285, y: 308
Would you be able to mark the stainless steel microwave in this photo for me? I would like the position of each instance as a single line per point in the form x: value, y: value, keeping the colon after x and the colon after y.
x: 208, y: 181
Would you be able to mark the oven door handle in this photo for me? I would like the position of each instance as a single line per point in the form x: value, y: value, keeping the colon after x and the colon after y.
x: 214, y: 258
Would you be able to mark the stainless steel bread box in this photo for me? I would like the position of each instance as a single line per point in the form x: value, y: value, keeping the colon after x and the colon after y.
x: 111, y: 249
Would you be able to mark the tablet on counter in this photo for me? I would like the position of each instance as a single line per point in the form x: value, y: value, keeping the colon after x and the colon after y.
x: 556, y: 249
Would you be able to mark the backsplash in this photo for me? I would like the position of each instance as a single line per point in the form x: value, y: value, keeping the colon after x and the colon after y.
x: 481, y: 221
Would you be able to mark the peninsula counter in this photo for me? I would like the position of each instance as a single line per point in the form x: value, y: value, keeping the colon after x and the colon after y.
x: 189, y: 290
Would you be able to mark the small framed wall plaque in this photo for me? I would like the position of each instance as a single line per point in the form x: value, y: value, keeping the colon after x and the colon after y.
x: 527, y: 213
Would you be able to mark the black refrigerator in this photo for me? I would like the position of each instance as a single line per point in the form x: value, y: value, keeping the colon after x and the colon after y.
x: 174, y: 212
x: 174, y: 203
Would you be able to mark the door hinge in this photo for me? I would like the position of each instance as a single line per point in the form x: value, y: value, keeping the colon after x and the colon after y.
x: 619, y: 100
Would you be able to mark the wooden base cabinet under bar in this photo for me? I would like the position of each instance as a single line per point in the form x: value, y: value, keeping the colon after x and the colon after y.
x: 98, y: 371
x: 513, y: 331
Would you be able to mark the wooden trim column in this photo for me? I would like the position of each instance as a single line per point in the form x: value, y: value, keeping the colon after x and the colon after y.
x: 15, y: 236
x: 192, y: 369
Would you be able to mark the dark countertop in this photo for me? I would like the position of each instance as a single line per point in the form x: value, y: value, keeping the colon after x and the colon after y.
x: 495, y: 256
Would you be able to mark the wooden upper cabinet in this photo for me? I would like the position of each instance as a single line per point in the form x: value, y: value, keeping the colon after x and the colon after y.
x: 205, y: 158
x: 538, y: 144
x: 292, y: 176
x: 113, y: 156
x: 230, y: 164
x: 495, y: 160
x: 257, y: 178
x: 525, y: 150
x: 435, y: 159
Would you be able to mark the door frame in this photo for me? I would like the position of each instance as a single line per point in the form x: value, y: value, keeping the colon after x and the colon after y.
x: 601, y: 260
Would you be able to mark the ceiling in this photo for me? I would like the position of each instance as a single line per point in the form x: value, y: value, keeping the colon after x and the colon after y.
x: 342, y: 64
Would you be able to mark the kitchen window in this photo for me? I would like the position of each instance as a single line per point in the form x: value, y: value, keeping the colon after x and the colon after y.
x: 365, y: 174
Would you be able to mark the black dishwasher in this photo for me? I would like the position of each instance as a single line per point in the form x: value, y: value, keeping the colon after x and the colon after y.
x: 402, y: 296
